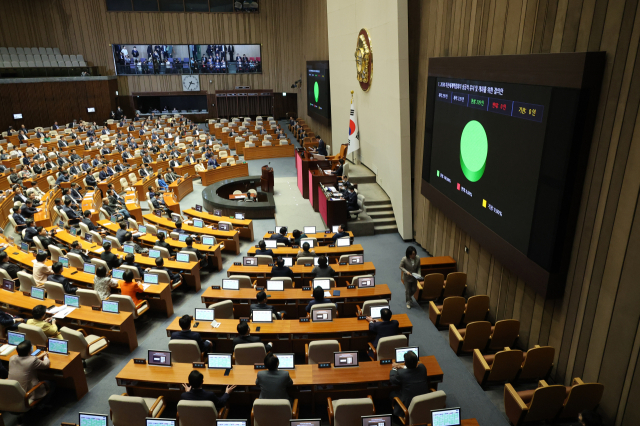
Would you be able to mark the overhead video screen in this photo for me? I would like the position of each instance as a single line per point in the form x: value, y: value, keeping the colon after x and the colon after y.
x: 318, y: 93
x: 487, y: 150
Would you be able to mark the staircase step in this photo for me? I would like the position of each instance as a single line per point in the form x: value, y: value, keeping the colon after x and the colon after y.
x: 384, y: 221
x: 362, y: 179
x: 371, y: 209
x: 380, y: 214
x: 377, y: 203
x: 385, y: 229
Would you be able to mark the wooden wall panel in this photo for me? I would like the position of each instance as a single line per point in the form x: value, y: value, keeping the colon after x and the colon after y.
x: 594, y: 326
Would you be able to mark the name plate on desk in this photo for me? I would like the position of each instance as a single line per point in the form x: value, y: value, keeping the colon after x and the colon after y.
x: 59, y: 302
x: 271, y: 264
x: 199, y: 365
x: 386, y: 361
x: 308, y: 264
x: 295, y: 246
x: 304, y: 319
x: 324, y: 365
x: 237, y: 264
x: 270, y: 232
x: 351, y: 286
x: 96, y: 308
x: 362, y: 317
x: 332, y: 245
x: 259, y: 367
x: 139, y: 361
x: 343, y: 263
x: 215, y: 287
x: 244, y: 319
x: 259, y: 288
x: 257, y: 246
x: 306, y: 288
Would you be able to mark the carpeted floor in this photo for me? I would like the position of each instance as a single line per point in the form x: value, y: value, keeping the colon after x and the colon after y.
x: 384, y: 250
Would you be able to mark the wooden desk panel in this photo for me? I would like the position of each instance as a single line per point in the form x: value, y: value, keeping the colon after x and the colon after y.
x: 142, y: 186
x: 245, y: 226
x: 183, y: 170
x: 333, y: 212
x: 274, y: 151
x: 323, y: 238
x: 182, y: 188
x: 222, y: 173
x: 302, y: 274
x: 333, y: 253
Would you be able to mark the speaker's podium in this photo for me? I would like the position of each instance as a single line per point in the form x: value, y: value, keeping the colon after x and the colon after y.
x: 266, y: 182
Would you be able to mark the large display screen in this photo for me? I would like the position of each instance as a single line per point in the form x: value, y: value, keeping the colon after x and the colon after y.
x: 318, y: 93
x: 487, y: 149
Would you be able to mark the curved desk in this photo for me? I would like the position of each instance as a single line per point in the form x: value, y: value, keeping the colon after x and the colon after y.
x: 216, y: 197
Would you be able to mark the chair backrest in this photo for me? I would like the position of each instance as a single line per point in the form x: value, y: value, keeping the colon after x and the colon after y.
x: 114, y: 242
x: 349, y: 412
x: 304, y: 260
x: 322, y: 351
x: 77, y: 342
x: 196, y: 413
x: 33, y: 333
x: 75, y: 260
x: 505, y: 333
x: 387, y: 346
x: 368, y: 304
x: 185, y: 351
x: 345, y: 168
x: 477, y: 336
x: 163, y: 276
x: 264, y: 259
x: 56, y: 253
x: 192, y: 256
x: 88, y: 297
x: 331, y: 306
x: 243, y: 280
x: 125, y: 303
x: 477, y: 308
x: 164, y: 253
x: 96, y: 238
x: 455, y: 284
x: 100, y: 262
x: 452, y: 310
x: 13, y: 397
x: 223, y: 310
x: 249, y: 353
x: 433, y: 286
x: 26, y: 281
x: 38, y: 243
x: 421, y: 406
x: 354, y: 280
x: 505, y: 366
x: 5, y: 275
x: 268, y: 412
x: 537, y: 363
x: 133, y: 178
x: 128, y: 410
x: 546, y: 403
x: 54, y: 290
x: 582, y: 397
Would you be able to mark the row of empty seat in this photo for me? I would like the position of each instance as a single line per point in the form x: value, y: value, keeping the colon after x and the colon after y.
x: 31, y: 50
x: 38, y: 57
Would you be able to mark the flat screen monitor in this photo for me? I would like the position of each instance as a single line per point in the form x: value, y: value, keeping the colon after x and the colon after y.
x: 377, y: 420
x: 321, y: 282
x: 71, y: 300
x: 345, y: 359
x: 261, y: 315
x: 163, y: 232
x: 335, y: 229
x: 275, y: 285
x: 376, y: 311
x: 271, y: 244
x: 117, y: 273
x: 151, y: 278
x: 154, y: 254
x: 88, y: 419
x: 110, y: 306
x: 231, y: 422
x: 305, y: 422
x: 176, y: 217
x: 204, y: 314
x: 316, y: 260
x: 88, y: 237
x: 288, y: 261
x: 114, y: 218
x: 318, y: 91
x: 217, y: 212
x: 183, y: 237
x: 64, y: 261
x: 142, y: 229
x: 401, y: 351
x: 8, y: 284
x: 159, y: 358
x: 356, y: 259
x: 182, y: 257
x: 306, y: 240
x: 91, y: 110
x: 158, y: 213
x: 24, y: 247
x: 309, y: 230
x: 219, y: 361
x: 128, y: 248
x: 17, y: 116
x: 343, y: 242
x: 278, y: 228
x: 14, y: 338
x: 73, y: 231
x: 58, y: 346
x: 223, y: 226
x: 239, y: 216
x: 198, y: 223
x: 322, y: 315
x: 37, y: 293
x: 152, y: 421
x: 286, y: 361
x: 250, y: 261
x: 89, y: 268
x: 365, y: 282
x: 230, y: 284
x: 208, y: 241
x: 446, y: 417
x: 198, y: 208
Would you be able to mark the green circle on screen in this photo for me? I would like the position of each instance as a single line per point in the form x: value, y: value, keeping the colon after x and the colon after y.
x: 474, y: 147
x: 316, y: 90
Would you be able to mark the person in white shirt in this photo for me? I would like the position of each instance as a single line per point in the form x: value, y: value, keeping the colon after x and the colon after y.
x: 124, y: 51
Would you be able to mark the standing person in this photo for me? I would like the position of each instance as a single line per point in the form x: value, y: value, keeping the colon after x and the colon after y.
x: 409, y: 265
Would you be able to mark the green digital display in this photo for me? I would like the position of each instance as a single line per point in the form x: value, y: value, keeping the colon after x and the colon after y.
x: 474, y: 147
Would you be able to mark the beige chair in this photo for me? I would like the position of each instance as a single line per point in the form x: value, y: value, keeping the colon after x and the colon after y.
x: 34, y: 334
x: 476, y: 309
x: 87, y: 345
x: 386, y: 348
x: 264, y: 259
x: 223, y: 310
x: 419, y: 411
x: 332, y: 282
x: 125, y: 185
x: 133, y: 410
x: 133, y: 224
x: 54, y: 290
x: 198, y: 413
x: 243, y: 280
x: 354, y: 280
x: 537, y: 363
x: 475, y: 336
x: 185, y: 351
x: 96, y: 237
x: 273, y: 412
x: 320, y: 351
x: 304, y: 261
x: 504, y: 334
x: 538, y: 405
x: 133, y: 178
x: 164, y: 253
x: 152, y: 229
x: 500, y: 367
x: 349, y: 412
x: 75, y: 261
x: 88, y: 297
x: 125, y: 304
x: 368, y: 304
x: 133, y: 269
x: 100, y: 262
x: 450, y: 312
x: 192, y: 256
x: 56, y: 253
x: 455, y: 284
x: 38, y: 243
x: 287, y: 282
x: 249, y: 353
x: 16, y: 400
x: 115, y: 243
x: 163, y: 277
x: 432, y: 287
x: 323, y: 306
x: 26, y: 281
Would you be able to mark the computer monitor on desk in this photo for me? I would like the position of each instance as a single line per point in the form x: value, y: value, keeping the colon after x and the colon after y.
x: 308, y: 422
x: 446, y: 417
x: 219, y: 361
x: 286, y: 362
x: 261, y: 315
x: 345, y: 359
x: 271, y: 244
x: 204, y: 314
x: 288, y: 261
x: 159, y: 358
x: 343, y: 242
x: 230, y: 284
x: 14, y: 338
x: 307, y: 240
x: 275, y: 285
x: 227, y: 422
x: 309, y: 230
x: 377, y: 420
x: 323, y: 283
x: 160, y: 422
x: 322, y: 315
x: 376, y: 311
x: 89, y: 419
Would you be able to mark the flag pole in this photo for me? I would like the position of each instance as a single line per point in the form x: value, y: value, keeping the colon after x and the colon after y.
x: 353, y: 153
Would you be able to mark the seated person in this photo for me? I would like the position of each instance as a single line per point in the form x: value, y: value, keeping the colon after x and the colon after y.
x: 128, y: 287
x: 130, y: 260
x: 23, y: 369
x: 201, y: 257
x: 412, y: 380
x: 41, y: 270
x: 383, y: 327
x: 30, y: 231
x: 297, y: 235
x: 281, y: 237
x: 279, y: 270
x: 322, y: 269
x: 86, y: 219
x: 262, y: 304
x: 244, y: 336
x: 20, y: 220
x: 162, y: 243
x: 103, y: 284
x: 305, y: 251
x: 8, y: 321
x: 273, y: 382
x: 186, y: 334
x: 262, y: 250
x: 342, y: 232
x: 128, y: 239
x: 179, y: 229
x: 194, y: 392
x: 112, y: 260
x: 76, y: 248
x: 162, y: 185
x: 318, y: 297
x: 48, y: 325
x: 173, y: 277
x: 159, y: 204
x: 120, y: 233
x: 58, y: 278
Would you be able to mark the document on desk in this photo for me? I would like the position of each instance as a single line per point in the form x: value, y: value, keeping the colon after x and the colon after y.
x: 335, y: 199
x: 327, y: 172
x: 130, y: 201
x: 145, y: 286
x: 56, y: 309
x: 6, y: 349
x: 63, y: 313
x: 100, y: 250
x: 108, y: 223
x: 331, y: 188
x: 327, y: 294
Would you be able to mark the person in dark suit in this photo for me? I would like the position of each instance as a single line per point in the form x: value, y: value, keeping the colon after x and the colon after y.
x: 412, y: 379
x: 162, y: 243
x: 58, y: 278
x: 279, y: 270
x: 204, y: 263
x: 28, y: 210
x: 383, y: 327
x: 262, y: 304
x: 62, y: 143
x: 186, y: 334
x: 20, y: 221
x: 9, y: 322
x: 73, y: 217
x: 339, y: 171
x: 112, y: 260
x: 273, y: 382
x: 263, y: 249
x: 87, y: 220
x: 193, y: 391
x: 30, y: 231
x: 11, y: 268
x: 318, y: 297
x: 62, y: 177
x: 158, y: 204
x: 281, y: 237
x: 103, y: 173
x: 352, y: 199
x: 91, y: 182
x: 342, y: 232
x: 322, y: 148
x: 244, y: 336
x: 149, y: 51
x: 173, y: 277
x: 19, y: 196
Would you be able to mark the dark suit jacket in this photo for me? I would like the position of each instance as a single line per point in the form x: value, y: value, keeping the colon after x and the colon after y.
x: 265, y: 306
x: 384, y: 329
x: 249, y: 339
x: 339, y: 235
x: 274, y: 384
x: 203, y: 395
x: 281, y: 239
x: 89, y: 224
x: 111, y: 259
x: 6, y: 320
x: 189, y: 335
x: 166, y: 245
x: 267, y: 252
x: 285, y: 271
x: 68, y: 288
x: 412, y: 382
x: 29, y: 233
x: 11, y: 268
